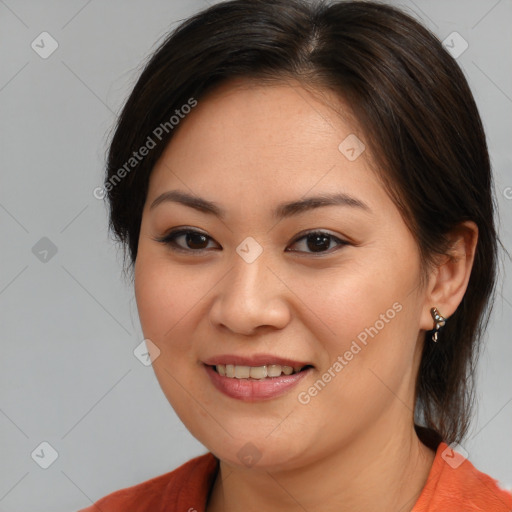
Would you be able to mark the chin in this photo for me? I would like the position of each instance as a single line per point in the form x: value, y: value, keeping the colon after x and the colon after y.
x: 258, y: 453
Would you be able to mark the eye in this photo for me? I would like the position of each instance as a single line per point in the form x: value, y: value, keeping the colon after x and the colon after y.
x: 318, y: 241
x: 194, y: 241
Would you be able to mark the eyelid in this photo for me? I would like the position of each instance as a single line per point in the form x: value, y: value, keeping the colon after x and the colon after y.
x: 319, y: 231
x: 170, y: 236
x: 169, y: 239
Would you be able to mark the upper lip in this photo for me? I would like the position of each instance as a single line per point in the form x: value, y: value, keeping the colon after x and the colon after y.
x: 254, y: 360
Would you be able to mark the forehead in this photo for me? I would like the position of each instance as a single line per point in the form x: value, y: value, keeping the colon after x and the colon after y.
x: 268, y: 140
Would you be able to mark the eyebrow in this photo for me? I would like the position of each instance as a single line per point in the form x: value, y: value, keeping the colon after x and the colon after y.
x: 280, y: 212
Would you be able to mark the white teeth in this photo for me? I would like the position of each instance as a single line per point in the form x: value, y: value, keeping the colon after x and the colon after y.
x: 242, y: 372
x: 255, y: 372
x: 287, y: 370
x: 274, y: 370
x: 258, y: 372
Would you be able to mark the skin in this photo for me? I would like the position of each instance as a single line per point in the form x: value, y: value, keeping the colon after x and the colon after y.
x: 249, y: 147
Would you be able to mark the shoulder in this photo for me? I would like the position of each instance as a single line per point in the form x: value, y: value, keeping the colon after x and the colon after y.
x: 186, y: 486
x: 454, y: 484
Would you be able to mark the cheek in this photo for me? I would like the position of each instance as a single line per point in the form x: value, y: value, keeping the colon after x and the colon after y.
x: 170, y: 302
x: 163, y: 293
x: 368, y: 360
x: 165, y: 302
x: 368, y: 320
x: 355, y: 303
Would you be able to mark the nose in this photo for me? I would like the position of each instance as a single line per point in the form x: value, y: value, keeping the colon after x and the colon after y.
x: 250, y: 298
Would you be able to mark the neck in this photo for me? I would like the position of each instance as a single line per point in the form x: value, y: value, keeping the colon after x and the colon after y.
x: 385, y: 468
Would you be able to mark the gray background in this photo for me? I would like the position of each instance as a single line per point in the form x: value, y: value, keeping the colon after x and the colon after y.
x: 68, y: 375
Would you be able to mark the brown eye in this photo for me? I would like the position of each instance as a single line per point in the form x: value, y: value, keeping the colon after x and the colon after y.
x: 187, y: 240
x: 318, y: 242
x: 196, y: 240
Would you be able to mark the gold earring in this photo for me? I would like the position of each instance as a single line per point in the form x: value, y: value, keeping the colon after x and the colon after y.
x: 439, y: 321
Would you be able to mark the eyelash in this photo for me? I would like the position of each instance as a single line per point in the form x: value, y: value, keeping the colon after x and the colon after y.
x: 170, y: 240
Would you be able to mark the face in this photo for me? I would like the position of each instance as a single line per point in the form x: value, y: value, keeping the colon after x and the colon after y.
x: 241, y: 278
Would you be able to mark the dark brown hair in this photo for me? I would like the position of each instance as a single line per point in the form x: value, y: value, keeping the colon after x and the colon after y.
x: 419, y: 119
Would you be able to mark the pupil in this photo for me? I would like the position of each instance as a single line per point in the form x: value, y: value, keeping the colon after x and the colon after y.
x: 196, y: 240
x: 319, y: 242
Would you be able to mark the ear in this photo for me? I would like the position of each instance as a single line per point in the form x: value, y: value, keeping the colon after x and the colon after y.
x: 448, y: 281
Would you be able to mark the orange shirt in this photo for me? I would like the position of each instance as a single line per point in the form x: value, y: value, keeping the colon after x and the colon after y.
x: 448, y: 489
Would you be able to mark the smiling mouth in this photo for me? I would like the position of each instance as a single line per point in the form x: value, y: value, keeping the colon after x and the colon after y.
x: 256, y: 372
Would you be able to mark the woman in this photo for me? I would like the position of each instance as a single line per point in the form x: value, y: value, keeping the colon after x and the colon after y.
x: 305, y: 196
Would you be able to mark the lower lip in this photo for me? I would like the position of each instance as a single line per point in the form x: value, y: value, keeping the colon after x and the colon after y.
x: 252, y: 390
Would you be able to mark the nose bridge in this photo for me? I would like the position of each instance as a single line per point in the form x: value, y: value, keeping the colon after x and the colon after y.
x: 252, y: 295
x: 251, y: 283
